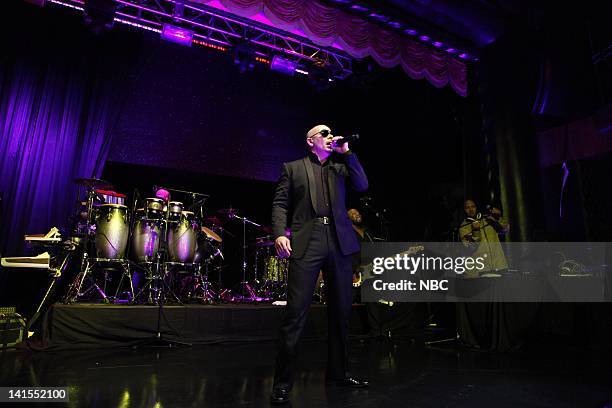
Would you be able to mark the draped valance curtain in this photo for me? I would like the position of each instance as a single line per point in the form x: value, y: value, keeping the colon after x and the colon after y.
x: 331, y: 27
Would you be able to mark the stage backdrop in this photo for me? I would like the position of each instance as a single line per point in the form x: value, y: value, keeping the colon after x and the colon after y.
x: 60, y: 96
x: 190, y: 109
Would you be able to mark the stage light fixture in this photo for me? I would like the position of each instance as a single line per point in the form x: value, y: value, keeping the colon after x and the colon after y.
x: 283, y: 65
x: 177, y: 35
x: 378, y: 17
x: 360, y: 8
x: 99, y: 14
x: 179, y: 10
x: 244, y: 57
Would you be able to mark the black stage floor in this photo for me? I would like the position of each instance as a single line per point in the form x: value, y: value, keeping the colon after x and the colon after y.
x: 402, y: 374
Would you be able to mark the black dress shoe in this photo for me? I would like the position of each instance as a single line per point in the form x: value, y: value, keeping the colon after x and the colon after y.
x: 350, y: 382
x: 279, y: 396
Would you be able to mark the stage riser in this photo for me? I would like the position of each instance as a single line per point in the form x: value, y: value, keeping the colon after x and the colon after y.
x: 79, y: 326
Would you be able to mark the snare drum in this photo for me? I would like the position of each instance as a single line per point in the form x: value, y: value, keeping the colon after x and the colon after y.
x: 112, y: 230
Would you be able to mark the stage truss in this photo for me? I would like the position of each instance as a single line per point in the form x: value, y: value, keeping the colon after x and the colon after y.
x: 216, y: 29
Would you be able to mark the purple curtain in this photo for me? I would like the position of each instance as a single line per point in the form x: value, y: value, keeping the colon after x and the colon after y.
x: 59, y: 101
x: 328, y: 26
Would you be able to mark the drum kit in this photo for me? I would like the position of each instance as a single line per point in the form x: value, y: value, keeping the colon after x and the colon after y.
x: 174, y: 246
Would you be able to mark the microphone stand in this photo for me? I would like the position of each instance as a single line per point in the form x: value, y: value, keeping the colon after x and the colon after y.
x: 158, y: 340
x: 383, y: 228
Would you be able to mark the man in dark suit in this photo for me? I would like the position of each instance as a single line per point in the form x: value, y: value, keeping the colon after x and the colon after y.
x: 310, y: 201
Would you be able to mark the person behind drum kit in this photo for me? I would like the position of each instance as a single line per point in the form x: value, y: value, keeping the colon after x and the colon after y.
x: 163, y: 194
x: 312, y: 190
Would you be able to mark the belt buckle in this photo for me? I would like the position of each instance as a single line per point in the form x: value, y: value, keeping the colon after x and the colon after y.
x: 325, y: 220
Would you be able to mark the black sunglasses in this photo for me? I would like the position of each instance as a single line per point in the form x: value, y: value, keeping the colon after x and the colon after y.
x: 325, y: 132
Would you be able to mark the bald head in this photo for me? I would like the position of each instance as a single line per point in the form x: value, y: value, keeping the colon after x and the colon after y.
x: 355, y: 216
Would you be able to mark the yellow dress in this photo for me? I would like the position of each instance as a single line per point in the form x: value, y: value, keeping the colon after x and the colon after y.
x: 486, y: 242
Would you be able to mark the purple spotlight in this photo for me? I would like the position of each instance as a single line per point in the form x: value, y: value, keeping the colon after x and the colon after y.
x: 394, y: 24
x: 283, y: 65
x: 410, y: 31
x: 359, y: 8
x: 424, y: 38
x: 176, y: 34
x: 378, y: 17
x: 451, y: 50
x: 437, y: 44
x: 464, y: 56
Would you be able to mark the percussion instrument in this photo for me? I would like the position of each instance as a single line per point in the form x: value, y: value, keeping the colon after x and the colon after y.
x: 211, y: 235
x: 111, y: 197
x: 265, y: 241
x: 145, y: 237
x: 175, y: 211
x: 112, y: 229
x: 275, y: 269
x: 182, y: 239
x: 154, y: 209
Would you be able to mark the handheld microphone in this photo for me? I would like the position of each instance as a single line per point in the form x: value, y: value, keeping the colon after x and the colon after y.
x: 345, y: 139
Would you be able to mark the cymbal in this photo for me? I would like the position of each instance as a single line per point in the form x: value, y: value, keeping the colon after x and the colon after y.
x: 228, y: 211
x: 211, y: 234
x: 93, y: 183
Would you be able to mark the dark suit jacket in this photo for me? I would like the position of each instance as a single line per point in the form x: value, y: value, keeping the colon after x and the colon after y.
x: 294, y: 202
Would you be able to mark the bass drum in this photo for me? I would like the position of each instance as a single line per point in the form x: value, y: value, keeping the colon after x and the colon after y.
x: 145, y: 237
x: 112, y: 230
x: 182, y: 239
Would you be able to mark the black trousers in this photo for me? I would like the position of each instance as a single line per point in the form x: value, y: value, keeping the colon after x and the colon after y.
x: 322, y: 253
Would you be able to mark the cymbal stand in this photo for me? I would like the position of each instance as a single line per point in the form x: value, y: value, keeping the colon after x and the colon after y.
x: 245, y: 291
x: 203, y: 290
